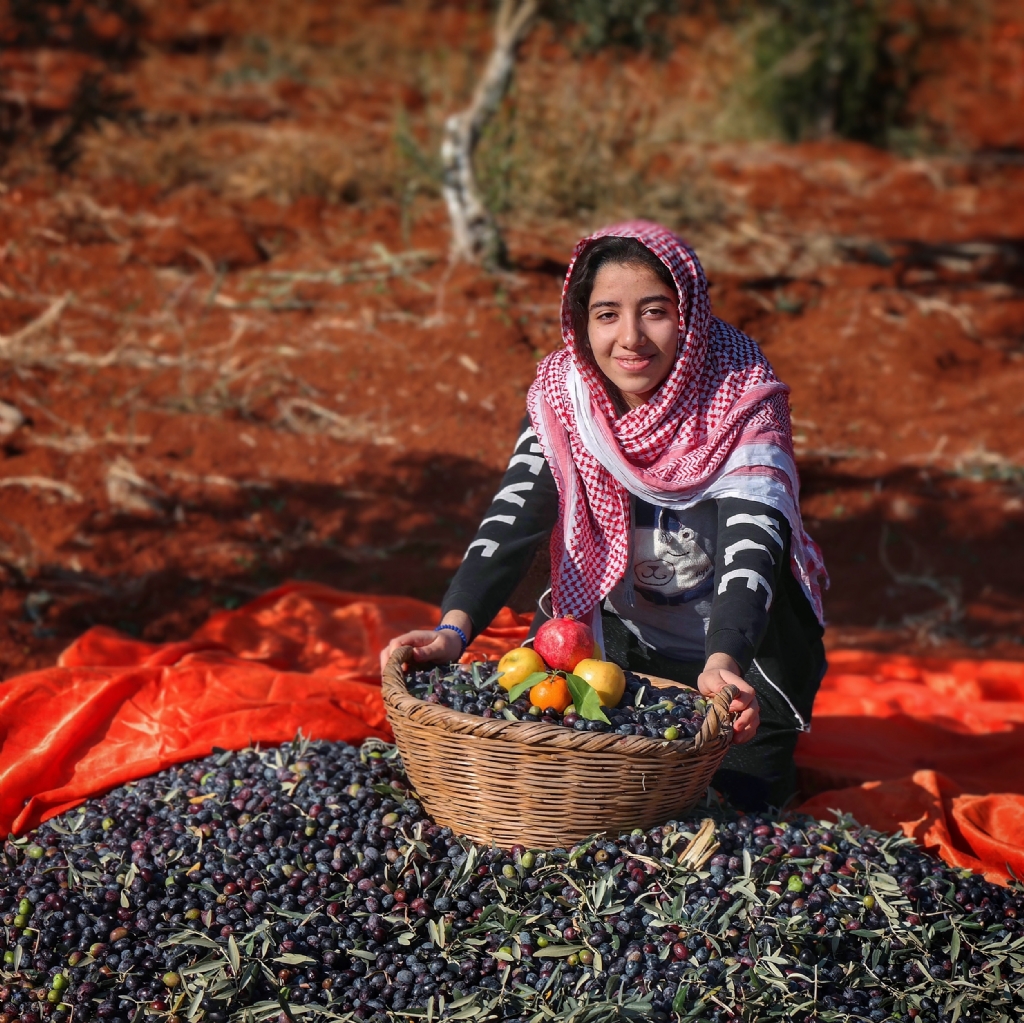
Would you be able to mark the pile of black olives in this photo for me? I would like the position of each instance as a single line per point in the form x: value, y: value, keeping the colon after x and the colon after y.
x: 306, y: 881
x: 643, y: 710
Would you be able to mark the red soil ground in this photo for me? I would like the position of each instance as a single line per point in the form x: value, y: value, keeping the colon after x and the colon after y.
x: 221, y: 392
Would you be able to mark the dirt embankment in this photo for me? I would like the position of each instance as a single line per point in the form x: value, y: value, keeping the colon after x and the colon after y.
x: 231, y: 354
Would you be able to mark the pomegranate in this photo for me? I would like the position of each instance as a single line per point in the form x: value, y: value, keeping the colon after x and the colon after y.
x: 564, y: 642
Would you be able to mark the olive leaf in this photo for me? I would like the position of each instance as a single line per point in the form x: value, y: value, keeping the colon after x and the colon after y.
x: 528, y: 683
x: 584, y: 696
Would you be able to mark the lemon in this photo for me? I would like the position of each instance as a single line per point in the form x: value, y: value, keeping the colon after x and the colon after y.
x: 605, y: 677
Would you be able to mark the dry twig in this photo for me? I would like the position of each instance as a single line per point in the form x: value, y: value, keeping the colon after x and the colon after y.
x: 10, y: 343
x: 700, y: 848
x: 65, y: 490
x: 130, y: 492
x: 305, y: 416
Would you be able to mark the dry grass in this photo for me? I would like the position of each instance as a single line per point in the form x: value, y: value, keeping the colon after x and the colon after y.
x: 207, y: 342
x: 336, y: 102
x: 280, y: 162
x: 603, y: 135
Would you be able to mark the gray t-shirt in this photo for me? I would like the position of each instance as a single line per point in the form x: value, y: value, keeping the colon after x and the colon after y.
x: 673, y: 579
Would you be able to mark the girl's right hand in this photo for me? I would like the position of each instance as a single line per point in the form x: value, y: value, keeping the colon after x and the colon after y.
x: 721, y: 670
x: 444, y: 646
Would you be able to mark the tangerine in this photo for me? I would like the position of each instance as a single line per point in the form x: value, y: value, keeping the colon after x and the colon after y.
x: 553, y: 693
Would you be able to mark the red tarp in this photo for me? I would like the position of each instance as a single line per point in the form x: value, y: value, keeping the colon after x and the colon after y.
x: 931, y: 747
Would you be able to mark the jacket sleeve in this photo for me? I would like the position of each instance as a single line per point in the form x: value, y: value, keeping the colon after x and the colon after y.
x: 753, y: 552
x: 521, y: 516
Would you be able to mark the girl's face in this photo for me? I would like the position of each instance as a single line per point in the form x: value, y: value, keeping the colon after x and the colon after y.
x: 633, y: 323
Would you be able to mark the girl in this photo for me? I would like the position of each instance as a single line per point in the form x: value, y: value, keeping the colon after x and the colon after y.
x: 657, y: 454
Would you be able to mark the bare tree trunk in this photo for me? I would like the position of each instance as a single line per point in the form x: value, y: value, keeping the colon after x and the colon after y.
x: 475, y: 234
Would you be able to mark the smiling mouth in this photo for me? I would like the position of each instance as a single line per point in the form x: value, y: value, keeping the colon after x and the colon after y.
x: 634, y: 365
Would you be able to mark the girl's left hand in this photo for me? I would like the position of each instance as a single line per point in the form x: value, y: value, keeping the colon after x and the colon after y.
x: 720, y: 671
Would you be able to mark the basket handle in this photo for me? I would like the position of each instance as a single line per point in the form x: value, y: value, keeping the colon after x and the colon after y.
x: 393, y: 672
x: 717, y: 717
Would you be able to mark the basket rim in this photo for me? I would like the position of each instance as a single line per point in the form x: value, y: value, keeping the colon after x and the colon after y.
x: 716, y: 730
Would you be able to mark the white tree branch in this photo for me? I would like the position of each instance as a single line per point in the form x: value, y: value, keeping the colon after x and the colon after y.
x: 475, y: 235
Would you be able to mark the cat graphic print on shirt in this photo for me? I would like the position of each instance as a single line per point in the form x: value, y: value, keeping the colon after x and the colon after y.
x: 668, y: 605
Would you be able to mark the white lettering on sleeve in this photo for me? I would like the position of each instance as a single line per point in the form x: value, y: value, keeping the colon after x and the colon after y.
x: 528, y: 432
x: 508, y: 520
x: 535, y: 462
x: 745, y: 545
x: 765, y: 522
x: 754, y: 579
x: 487, y: 548
x: 511, y: 493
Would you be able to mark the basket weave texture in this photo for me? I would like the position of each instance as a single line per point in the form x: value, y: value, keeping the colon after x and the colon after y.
x: 545, y: 786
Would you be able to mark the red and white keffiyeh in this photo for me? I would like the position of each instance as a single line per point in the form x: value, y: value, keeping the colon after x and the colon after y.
x: 717, y: 427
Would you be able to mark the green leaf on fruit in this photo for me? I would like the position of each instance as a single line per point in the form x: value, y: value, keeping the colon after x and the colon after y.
x: 528, y: 683
x: 584, y: 696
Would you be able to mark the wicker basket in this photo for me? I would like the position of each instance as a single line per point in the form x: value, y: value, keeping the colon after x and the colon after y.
x: 541, y: 785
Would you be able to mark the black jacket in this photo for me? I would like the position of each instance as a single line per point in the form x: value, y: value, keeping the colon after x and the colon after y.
x: 752, y: 555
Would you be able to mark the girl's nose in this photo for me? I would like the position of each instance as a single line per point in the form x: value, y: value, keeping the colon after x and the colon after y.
x: 633, y: 335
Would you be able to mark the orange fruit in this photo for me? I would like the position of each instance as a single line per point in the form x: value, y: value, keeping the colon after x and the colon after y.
x: 517, y: 664
x: 553, y: 692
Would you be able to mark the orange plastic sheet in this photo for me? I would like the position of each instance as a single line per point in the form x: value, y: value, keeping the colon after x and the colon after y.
x: 300, y: 657
x: 932, y: 747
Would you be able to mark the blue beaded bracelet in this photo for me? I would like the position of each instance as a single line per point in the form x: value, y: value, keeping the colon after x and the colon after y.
x: 458, y: 632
